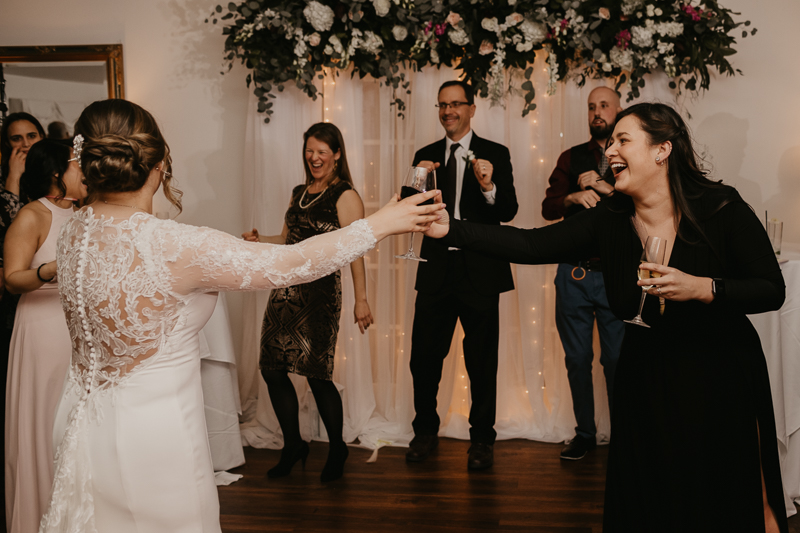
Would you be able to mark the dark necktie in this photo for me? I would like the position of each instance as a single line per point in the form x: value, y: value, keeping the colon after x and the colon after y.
x: 603, y: 166
x: 450, y: 181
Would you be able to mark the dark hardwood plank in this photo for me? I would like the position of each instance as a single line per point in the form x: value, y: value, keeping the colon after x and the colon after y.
x: 528, y: 489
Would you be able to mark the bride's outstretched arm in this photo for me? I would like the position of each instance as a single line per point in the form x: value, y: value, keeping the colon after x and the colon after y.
x: 209, y: 260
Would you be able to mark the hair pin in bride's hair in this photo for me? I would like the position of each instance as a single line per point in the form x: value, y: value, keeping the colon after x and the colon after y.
x: 77, y: 148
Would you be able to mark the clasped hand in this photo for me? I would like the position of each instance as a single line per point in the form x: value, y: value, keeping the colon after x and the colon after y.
x: 676, y: 285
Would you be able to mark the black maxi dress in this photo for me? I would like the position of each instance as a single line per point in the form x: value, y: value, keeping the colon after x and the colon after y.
x: 301, y: 322
x: 692, y: 393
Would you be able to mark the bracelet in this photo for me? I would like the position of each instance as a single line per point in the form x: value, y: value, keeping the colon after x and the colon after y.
x: 39, y: 274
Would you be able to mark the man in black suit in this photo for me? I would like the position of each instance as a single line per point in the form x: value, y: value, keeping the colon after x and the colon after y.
x: 477, y: 184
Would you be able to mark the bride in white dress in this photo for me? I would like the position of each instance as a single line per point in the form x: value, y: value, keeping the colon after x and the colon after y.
x: 132, y: 452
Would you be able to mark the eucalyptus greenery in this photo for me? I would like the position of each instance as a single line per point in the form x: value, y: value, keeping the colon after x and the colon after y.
x: 292, y: 41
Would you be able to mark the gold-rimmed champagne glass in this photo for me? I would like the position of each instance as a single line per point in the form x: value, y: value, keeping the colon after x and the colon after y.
x: 654, y: 252
x: 417, y: 180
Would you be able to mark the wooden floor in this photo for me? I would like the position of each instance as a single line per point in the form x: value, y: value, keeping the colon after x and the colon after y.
x: 528, y: 489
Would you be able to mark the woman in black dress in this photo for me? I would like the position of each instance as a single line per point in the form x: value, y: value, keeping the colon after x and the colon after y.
x: 694, y: 446
x: 301, y: 322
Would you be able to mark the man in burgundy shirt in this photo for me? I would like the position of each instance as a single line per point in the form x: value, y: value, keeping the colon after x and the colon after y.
x: 575, y: 185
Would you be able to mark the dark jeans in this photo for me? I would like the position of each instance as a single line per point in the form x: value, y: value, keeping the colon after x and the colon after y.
x: 435, y: 316
x: 578, y: 303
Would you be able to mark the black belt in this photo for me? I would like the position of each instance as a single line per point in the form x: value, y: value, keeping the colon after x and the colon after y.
x: 591, y: 265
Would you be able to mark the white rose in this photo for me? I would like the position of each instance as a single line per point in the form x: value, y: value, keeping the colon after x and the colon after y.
x: 319, y: 16
x: 400, y: 32
x: 328, y: 50
x: 381, y: 7
x: 490, y: 24
x: 659, y: 12
x: 434, y: 56
x: 512, y: 2
x: 458, y: 36
x: 534, y: 32
x: 651, y: 10
x: 513, y: 19
x: 608, y: 67
x: 314, y: 39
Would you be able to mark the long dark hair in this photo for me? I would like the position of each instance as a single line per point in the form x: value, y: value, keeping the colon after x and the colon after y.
x: 45, y: 166
x: 687, y: 180
x: 5, y: 144
x: 330, y: 135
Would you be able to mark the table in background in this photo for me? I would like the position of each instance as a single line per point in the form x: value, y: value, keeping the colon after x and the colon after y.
x: 221, y: 389
x: 780, y: 337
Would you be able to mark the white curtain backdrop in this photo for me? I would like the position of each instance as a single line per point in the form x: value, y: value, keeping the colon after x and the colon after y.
x: 371, y: 370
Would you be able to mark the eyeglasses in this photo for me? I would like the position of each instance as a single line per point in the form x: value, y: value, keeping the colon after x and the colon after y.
x: 452, y: 105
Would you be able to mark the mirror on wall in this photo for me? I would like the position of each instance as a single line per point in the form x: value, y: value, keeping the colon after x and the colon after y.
x: 55, y: 83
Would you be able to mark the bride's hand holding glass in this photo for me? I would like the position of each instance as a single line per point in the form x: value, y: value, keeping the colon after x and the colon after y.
x: 407, y: 215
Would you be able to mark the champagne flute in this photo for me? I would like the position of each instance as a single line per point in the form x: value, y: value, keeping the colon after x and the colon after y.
x: 418, y: 179
x: 654, y: 252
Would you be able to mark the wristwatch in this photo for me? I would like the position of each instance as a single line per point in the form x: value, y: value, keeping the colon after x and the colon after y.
x: 718, y: 288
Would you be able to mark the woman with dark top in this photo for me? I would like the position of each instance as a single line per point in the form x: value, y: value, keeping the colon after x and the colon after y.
x: 301, y: 322
x: 694, y: 446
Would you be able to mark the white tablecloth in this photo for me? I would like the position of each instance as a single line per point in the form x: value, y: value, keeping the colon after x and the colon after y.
x: 221, y: 389
x: 780, y: 337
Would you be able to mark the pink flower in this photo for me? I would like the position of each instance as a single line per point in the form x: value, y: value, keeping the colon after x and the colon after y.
x: 453, y: 19
x: 516, y: 18
x: 440, y: 29
x: 564, y: 24
x: 604, y: 13
x: 428, y: 27
x: 486, y: 48
x: 692, y: 12
x: 623, y: 39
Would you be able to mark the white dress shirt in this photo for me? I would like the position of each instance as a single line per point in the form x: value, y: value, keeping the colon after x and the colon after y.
x: 461, y: 167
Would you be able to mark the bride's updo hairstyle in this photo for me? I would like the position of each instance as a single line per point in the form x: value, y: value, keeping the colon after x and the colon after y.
x: 121, y: 146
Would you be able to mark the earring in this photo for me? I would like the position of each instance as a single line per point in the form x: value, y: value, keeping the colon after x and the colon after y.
x: 658, y: 159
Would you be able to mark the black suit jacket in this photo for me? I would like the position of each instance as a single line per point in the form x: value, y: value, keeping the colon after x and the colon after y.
x: 487, y: 274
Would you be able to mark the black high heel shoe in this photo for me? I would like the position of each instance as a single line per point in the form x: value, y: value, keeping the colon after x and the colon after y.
x: 289, y: 456
x: 334, y: 466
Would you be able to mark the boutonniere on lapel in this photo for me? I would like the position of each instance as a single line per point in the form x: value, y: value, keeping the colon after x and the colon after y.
x: 470, y: 157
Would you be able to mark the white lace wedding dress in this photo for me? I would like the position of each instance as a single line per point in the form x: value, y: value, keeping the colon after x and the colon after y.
x: 133, y: 453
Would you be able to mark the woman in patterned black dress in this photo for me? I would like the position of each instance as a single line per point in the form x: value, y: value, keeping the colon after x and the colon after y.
x: 301, y: 322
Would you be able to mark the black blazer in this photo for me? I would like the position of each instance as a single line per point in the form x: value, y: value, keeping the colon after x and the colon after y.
x: 487, y: 274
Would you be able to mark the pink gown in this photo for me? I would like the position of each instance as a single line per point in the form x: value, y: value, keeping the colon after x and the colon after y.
x: 38, y: 362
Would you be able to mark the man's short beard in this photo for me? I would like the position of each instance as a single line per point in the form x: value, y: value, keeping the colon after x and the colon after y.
x: 601, y: 132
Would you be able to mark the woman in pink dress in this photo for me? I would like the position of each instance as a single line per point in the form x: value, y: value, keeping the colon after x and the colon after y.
x: 40, y: 343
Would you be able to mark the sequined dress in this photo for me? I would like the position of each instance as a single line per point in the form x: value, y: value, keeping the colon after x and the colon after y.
x: 133, y: 454
x: 301, y: 323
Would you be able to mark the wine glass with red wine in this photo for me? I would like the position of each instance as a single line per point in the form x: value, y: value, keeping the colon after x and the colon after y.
x: 418, y: 179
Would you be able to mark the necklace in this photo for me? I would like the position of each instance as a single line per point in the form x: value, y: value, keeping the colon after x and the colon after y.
x: 130, y: 206
x: 300, y: 203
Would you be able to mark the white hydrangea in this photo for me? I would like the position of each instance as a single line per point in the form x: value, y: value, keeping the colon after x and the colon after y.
x: 400, y: 32
x: 535, y: 32
x: 381, y: 7
x: 642, y: 37
x: 665, y: 48
x: 649, y: 60
x: 490, y: 24
x: 669, y: 66
x: 669, y: 29
x: 629, y: 6
x: 319, y: 15
x: 300, y: 49
x: 337, y: 44
x: 458, y: 36
x: 371, y: 43
x: 526, y: 46
x: 621, y: 58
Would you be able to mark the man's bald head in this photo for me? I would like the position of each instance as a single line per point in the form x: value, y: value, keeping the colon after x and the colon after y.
x: 603, y: 109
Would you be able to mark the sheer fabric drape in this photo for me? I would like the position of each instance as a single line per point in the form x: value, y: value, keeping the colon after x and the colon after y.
x: 372, y: 371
